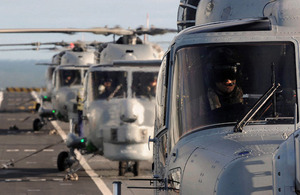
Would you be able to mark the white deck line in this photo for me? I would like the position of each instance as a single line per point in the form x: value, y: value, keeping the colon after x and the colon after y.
x: 94, y: 176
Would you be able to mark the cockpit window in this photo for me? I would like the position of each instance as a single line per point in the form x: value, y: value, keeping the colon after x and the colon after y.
x: 144, y: 84
x: 108, y: 84
x: 69, y: 77
x: 216, y: 84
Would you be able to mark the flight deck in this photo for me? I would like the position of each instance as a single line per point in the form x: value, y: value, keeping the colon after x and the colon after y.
x: 29, y: 158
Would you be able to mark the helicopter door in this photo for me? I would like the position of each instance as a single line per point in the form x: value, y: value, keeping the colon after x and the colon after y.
x: 85, y: 86
x: 55, y: 80
x: 160, y: 145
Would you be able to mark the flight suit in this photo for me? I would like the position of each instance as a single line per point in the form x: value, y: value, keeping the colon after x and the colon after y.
x: 80, y: 106
x: 218, y: 99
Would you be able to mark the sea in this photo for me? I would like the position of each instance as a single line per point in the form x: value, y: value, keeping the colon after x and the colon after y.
x: 22, y: 73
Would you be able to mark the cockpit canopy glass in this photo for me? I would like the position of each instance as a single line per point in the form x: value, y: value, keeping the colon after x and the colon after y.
x: 144, y: 84
x: 69, y: 77
x: 108, y: 84
x: 216, y: 84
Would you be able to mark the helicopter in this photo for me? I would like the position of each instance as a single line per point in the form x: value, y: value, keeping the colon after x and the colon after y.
x: 64, y: 78
x: 227, y: 116
x: 118, y: 114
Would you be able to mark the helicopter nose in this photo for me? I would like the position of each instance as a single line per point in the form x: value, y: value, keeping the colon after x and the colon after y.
x: 128, y: 119
x: 131, y: 111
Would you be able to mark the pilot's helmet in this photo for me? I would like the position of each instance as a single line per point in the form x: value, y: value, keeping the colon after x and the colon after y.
x: 108, y: 80
x: 224, y: 64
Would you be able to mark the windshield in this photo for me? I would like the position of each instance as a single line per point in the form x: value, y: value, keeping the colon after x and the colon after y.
x: 69, y: 77
x: 216, y: 84
x: 108, y: 84
x: 144, y: 84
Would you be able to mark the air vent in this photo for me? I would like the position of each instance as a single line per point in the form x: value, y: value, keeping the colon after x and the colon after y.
x: 129, y: 51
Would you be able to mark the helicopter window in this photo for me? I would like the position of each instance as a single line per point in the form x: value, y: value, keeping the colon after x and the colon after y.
x: 69, y: 77
x: 161, y: 95
x: 215, y: 84
x: 55, y: 79
x: 109, y: 84
x: 144, y: 84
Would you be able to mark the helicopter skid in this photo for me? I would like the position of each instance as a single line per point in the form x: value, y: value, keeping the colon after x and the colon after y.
x: 127, y: 152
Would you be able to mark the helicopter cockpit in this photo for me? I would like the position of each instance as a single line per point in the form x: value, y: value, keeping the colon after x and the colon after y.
x: 212, y: 80
x: 113, y: 84
x: 144, y: 84
x: 69, y: 77
x: 108, y: 84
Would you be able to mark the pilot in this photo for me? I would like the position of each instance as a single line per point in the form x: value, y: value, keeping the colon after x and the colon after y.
x: 152, y: 87
x: 224, y: 90
x: 71, y: 79
x: 105, y: 89
x: 80, y: 98
x: 68, y: 80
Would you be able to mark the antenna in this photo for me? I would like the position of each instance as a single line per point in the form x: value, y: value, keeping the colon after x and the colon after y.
x: 147, y: 26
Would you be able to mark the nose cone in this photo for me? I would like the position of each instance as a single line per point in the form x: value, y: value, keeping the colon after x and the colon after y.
x: 65, y: 96
x: 132, y: 111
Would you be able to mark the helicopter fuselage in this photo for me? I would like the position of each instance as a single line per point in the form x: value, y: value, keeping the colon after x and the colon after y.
x: 208, y: 144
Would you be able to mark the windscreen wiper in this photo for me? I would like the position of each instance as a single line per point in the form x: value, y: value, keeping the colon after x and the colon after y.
x: 262, y: 100
x: 114, y: 92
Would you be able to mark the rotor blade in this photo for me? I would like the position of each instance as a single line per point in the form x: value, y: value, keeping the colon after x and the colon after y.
x: 47, y: 64
x: 154, y: 31
x: 104, y: 31
x: 20, y: 44
x: 34, y: 49
x: 37, y: 44
x: 98, y: 30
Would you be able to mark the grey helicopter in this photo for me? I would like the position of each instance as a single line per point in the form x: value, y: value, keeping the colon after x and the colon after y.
x: 119, y: 112
x: 67, y: 72
x: 227, y: 116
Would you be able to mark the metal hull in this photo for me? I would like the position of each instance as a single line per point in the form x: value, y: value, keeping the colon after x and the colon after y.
x: 218, y: 158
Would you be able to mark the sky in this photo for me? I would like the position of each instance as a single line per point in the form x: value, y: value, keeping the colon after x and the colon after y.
x: 80, y: 14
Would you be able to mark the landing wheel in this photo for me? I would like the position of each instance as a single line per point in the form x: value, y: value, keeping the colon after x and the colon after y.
x: 37, y: 107
x: 62, y: 161
x: 122, y: 168
x: 136, y: 168
x: 37, y: 124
